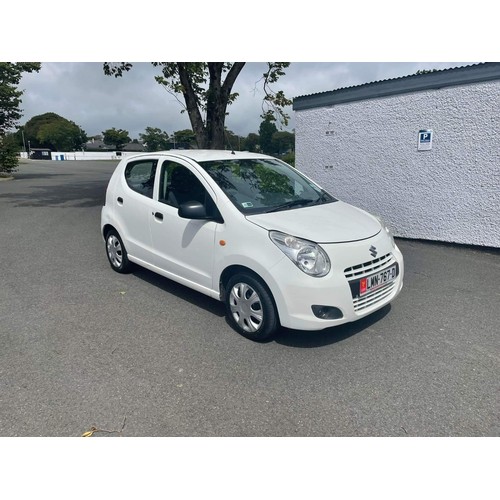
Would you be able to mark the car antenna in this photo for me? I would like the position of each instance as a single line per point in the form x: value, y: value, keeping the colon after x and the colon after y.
x: 229, y: 142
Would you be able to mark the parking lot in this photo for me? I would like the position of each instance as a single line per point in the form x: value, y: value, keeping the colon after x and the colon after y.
x: 82, y: 346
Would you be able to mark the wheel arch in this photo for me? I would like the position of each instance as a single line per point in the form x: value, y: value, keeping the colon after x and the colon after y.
x: 106, y: 228
x: 231, y: 271
x: 236, y: 269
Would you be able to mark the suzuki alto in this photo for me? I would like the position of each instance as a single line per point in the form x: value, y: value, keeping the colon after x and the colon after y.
x: 253, y: 232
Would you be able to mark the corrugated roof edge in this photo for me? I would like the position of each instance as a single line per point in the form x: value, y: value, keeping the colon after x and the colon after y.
x: 463, y: 75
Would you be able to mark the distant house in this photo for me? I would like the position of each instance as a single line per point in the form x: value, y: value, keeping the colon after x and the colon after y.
x: 134, y: 146
x: 97, y: 144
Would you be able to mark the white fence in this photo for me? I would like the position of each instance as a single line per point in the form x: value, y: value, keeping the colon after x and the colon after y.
x: 86, y: 155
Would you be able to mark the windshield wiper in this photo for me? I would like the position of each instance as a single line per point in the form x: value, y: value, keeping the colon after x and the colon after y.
x: 290, y: 204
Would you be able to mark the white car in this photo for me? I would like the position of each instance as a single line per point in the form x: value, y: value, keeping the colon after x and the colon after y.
x: 251, y: 231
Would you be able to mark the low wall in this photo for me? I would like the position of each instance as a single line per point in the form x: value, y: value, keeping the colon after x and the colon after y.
x: 85, y: 155
x: 91, y: 155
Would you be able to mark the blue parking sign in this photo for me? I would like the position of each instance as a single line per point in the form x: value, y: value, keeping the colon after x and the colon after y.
x: 424, y: 140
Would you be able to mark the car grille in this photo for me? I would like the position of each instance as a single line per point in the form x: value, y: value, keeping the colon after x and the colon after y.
x: 359, y: 271
x: 372, y: 298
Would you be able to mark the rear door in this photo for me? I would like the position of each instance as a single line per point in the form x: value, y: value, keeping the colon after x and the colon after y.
x: 134, y: 205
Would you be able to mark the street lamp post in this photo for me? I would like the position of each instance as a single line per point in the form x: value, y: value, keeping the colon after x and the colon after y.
x: 24, y: 142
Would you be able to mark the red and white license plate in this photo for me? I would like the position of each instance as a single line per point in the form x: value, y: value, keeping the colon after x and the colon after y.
x: 371, y: 283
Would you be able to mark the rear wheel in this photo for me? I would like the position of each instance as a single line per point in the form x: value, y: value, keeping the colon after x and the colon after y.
x: 117, y: 255
x: 250, y: 307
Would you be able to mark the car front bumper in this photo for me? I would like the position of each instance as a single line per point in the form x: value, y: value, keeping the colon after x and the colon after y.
x: 296, y: 293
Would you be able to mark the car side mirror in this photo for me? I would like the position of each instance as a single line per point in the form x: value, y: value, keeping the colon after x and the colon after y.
x: 193, y: 210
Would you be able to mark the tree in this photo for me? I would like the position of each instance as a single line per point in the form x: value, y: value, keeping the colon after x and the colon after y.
x: 234, y: 141
x: 54, y: 132
x: 9, y: 150
x: 252, y: 142
x: 117, y: 138
x: 282, y: 142
x: 10, y: 113
x: 207, y: 94
x: 10, y: 96
x: 266, y: 131
x: 154, y: 139
x: 184, y: 139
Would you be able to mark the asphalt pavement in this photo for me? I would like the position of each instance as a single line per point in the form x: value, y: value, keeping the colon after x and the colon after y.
x: 82, y: 347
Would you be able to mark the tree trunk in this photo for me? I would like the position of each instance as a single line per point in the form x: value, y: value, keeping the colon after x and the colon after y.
x: 210, y: 135
x: 192, y: 107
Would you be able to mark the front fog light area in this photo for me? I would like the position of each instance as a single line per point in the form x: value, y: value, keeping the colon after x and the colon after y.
x: 327, y: 312
x: 308, y: 256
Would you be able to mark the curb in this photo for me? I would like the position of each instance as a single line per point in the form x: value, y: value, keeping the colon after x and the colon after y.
x: 10, y: 178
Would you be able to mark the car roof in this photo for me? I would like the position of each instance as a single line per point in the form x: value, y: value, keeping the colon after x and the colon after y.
x: 207, y: 154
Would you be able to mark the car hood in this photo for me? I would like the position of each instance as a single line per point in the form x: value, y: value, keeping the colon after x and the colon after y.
x: 335, y: 222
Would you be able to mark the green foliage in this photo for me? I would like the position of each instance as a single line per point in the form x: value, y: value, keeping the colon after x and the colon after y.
x: 116, y: 137
x: 54, y: 132
x: 234, y: 141
x: 9, y: 158
x: 61, y: 136
x: 155, y: 139
x: 184, y: 137
x: 252, y: 142
x: 274, y: 102
x: 266, y: 131
x: 289, y: 158
x: 10, y: 96
x: 10, y: 113
x: 282, y: 142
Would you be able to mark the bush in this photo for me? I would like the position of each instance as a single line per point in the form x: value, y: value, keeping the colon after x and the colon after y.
x: 9, y: 158
x: 289, y: 158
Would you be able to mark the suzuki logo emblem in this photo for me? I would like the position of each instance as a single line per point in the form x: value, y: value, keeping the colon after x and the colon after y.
x: 373, y: 251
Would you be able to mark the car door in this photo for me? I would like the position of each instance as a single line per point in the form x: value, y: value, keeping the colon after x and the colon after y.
x: 183, y: 248
x: 133, y: 206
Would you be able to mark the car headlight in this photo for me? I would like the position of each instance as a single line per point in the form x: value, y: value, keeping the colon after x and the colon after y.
x: 386, y: 229
x: 308, y: 256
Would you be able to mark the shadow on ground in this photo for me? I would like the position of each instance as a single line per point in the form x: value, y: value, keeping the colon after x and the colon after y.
x: 195, y: 298
x: 22, y: 176
x: 284, y: 336
x: 307, y: 339
x: 81, y: 195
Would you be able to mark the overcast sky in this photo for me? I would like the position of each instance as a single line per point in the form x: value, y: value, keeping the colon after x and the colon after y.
x: 80, y: 92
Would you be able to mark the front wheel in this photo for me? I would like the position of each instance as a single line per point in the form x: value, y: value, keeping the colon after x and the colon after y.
x: 117, y: 255
x: 250, y: 307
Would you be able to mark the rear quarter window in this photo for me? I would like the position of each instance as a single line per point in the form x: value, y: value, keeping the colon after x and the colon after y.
x: 140, y: 176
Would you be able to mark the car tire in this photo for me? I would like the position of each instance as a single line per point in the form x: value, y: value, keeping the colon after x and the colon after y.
x: 250, y: 307
x: 116, y: 253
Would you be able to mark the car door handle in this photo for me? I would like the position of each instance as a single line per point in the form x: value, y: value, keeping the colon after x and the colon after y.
x: 119, y: 200
x: 158, y: 215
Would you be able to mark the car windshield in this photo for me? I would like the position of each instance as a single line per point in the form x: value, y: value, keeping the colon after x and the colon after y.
x: 258, y: 186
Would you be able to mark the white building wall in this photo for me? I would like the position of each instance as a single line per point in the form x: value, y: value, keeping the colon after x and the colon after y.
x: 365, y: 153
